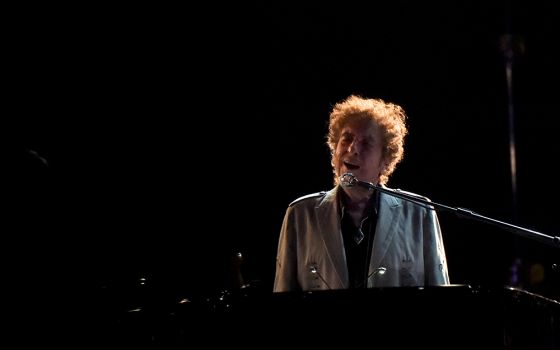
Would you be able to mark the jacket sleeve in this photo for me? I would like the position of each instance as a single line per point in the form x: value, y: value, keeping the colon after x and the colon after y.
x: 286, y: 258
x: 435, y: 262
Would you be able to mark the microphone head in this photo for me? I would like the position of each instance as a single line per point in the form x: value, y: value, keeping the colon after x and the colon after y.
x: 348, y: 180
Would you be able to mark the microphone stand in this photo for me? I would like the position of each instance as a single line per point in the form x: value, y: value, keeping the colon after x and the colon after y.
x: 350, y: 180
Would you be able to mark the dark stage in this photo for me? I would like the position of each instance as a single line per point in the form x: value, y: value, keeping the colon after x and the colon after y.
x: 176, y: 138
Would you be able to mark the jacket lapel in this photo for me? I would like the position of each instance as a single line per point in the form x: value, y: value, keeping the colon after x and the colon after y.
x: 386, y: 228
x: 328, y: 216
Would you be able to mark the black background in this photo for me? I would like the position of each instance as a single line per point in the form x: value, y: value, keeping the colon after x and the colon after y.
x: 176, y: 137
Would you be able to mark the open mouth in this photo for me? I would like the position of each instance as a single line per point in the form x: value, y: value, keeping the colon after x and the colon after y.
x: 351, y: 166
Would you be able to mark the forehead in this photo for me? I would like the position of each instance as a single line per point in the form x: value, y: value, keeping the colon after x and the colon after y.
x: 361, y: 128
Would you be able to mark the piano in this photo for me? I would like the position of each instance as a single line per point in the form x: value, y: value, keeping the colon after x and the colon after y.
x: 443, y: 317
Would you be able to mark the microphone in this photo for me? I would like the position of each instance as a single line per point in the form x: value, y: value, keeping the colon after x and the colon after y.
x: 349, y: 180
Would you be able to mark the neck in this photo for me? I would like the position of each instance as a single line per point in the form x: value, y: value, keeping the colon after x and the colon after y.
x: 356, y: 201
x: 357, y: 197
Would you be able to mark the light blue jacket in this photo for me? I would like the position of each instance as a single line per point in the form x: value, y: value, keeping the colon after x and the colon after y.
x: 407, y: 248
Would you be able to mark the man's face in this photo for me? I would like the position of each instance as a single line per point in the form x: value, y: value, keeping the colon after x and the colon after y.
x: 359, y: 151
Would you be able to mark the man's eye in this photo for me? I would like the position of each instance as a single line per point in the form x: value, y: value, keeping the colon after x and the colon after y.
x: 368, y: 144
x: 345, y: 139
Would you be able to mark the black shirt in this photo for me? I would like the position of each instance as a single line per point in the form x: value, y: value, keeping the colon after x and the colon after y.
x: 358, y: 243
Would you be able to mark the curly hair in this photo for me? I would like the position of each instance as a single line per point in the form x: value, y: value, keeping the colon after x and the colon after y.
x: 388, y: 116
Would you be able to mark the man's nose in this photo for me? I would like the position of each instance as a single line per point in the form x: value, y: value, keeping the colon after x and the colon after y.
x: 353, y: 147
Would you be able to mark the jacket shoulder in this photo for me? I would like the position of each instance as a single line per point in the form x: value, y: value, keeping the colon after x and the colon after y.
x: 308, y: 197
